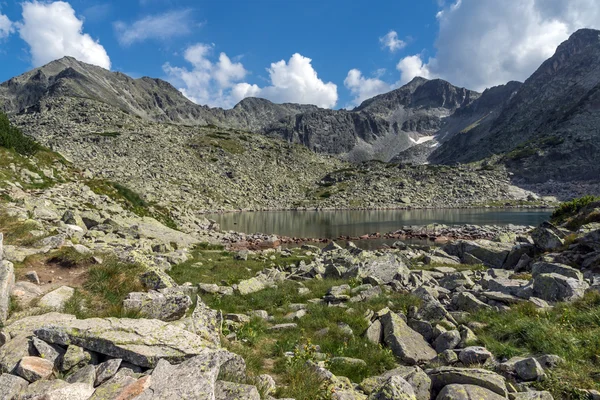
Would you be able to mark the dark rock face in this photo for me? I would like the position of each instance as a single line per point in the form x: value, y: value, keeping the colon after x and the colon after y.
x: 548, y: 129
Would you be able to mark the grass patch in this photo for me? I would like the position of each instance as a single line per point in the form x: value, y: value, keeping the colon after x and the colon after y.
x: 221, y: 267
x: 68, y: 257
x: 569, y: 212
x: 104, y: 290
x: 570, y: 330
x: 17, y: 232
x: 219, y: 141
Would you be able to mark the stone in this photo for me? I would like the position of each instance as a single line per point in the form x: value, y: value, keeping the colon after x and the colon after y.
x: 155, y: 305
x: 56, y: 299
x: 266, y: 384
x: 447, y: 358
x: 107, y: 370
x: 555, y: 287
x: 139, y: 341
x: 546, y: 239
x: 406, y: 344
x: 374, y: 332
x: 456, y: 280
x: 7, y: 281
x: 24, y: 292
x: 468, y: 302
x: 447, y: 341
x: 40, y: 388
x: 532, y: 396
x: 34, y: 368
x: 529, y: 369
x: 76, y: 391
x: 394, y: 388
x: 555, y: 268
x: 154, y: 279
x: 550, y: 360
x: 47, y: 351
x: 282, y: 327
x: 332, y: 246
x: 414, y: 375
x: 203, y: 322
x: 13, y: 351
x: 11, y: 386
x: 467, y: 392
x: 75, y: 356
x: 382, y: 270
x: 33, y: 277
x: 348, y: 362
x: 443, y: 376
x: 172, y: 382
x: 115, y: 387
x: 251, y: 285
x: 475, y: 355
x: 85, y: 375
x: 234, y: 391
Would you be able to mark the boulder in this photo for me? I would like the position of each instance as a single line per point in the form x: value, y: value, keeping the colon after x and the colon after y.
x: 251, y: 285
x: 444, y: 376
x: 468, y: 302
x: 447, y: 341
x: 47, y: 351
x: 173, y: 381
x: 155, y: 305
x: 85, y: 375
x: 394, y: 388
x: 555, y: 287
x: 203, y: 322
x: 381, y: 270
x: 7, y: 281
x: 415, y: 376
x: 11, y: 386
x: 107, y: 370
x: 529, y: 369
x: 554, y: 268
x: 546, y: 238
x: 154, y: 279
x: 467, y: 392
x: 475, y: 355
x: 406, y: 344
x: 56, y: 299
x: 75, y: 356
x: 234, y: 391
x: 34, y: 368
x: 139, y: 341
x: 75, y: 391
x: 116, y: 387
x: 532, y: 396
x: 374, y: 333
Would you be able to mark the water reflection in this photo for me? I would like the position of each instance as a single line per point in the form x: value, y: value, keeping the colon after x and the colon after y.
x: 332, y: 224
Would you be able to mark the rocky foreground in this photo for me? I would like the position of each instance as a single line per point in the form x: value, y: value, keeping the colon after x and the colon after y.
x: 100, y: 303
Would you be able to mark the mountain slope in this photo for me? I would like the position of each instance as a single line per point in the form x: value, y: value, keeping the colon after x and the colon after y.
x: 379, y: 128
x: 549, y: 127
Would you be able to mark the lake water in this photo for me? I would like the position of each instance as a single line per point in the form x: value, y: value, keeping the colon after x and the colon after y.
x: 333, y: 224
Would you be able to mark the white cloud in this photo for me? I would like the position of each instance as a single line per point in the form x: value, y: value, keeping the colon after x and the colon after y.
x: 53, y: 31
x: 411, y: 67
x: 364, y: 88
x: 163, y: 26
x: 219, y: 83
x: 483, y: 43
x: 391, y: 42
x: 6, y: 26
x: 297, y: 82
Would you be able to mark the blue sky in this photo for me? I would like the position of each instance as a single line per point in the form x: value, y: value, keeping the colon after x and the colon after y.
x: 332, y: 53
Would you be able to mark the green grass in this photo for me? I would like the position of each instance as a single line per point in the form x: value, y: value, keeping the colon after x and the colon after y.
x: 105, y: 287
x: 220, y: 267
x: 12, y: 138
x: 68, y: 257
x: 132, y: 201
x: 17, y: 232
x: 571, y: 331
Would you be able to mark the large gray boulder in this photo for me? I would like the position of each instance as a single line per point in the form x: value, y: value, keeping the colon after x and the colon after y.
x: 56, y: 299
x: 555, y: 287
x: 467, y: 392
x: 234, y: 391
x: 203, y: 322
x: 406, y: 344
x: 11, y: 386
x: 554, y: 268
x: 444, y: 376
x: 394, y: 388
x: 381, y: 270
x: 7, y: 281
x: 492, y: 254
x: 414, y: 375
x: 546, y: 237
x: 195, y: 378
x: 156, y: 305
x: 139, y: 341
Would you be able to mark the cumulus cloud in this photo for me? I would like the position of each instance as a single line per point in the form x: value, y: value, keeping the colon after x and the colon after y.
x: 6, y: 26
x: 53, y: 31
x: 364, y: 88
x: 220, y: 83
x: 483, y: 43
x: 162, y: 26
x: 391, y: 42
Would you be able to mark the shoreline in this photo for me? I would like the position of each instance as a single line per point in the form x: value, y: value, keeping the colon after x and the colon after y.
x: 331, y: 209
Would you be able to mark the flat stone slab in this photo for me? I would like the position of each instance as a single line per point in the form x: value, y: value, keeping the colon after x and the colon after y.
x: 139, y: 341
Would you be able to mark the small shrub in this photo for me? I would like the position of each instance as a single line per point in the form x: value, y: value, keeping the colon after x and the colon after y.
x: 571, y: 208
